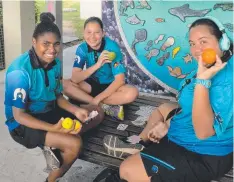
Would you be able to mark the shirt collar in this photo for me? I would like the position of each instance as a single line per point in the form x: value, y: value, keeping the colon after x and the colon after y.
x: 35, y: 61
x: 101, y: 47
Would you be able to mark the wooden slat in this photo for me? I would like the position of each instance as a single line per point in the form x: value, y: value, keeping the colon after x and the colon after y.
x: 93, y: 150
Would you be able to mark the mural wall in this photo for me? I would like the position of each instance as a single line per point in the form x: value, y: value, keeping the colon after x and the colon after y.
x: 153, y: 36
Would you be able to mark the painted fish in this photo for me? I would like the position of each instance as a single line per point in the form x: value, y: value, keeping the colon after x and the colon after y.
x: 175, y: 51
x: 149, y: 44
x: 140, y: 36
x: 159, y: 38
x: 184, y: 11
x: 187, y: 58
x: 159, y: 20
x: 176, y: 72
x: 162, y: 59
x: 228, y: 6
x: 228, y: 26
x: 144, y: 5
x: 124, y: 4
x: 134, y: 20
x: 152, y: 53
x: 168, y: 43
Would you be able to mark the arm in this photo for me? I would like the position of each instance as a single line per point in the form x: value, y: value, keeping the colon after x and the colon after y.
x: 80, y: 113
x: 117, y: 83
x: 79, y: 75
x: 66, y: 105
x: 27, y: 120
x: 203, y: 110
x: 202, y: 113
x: 118, y: 71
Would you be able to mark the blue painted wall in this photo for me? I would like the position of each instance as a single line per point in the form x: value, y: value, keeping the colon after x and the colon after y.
x: 159, y: 29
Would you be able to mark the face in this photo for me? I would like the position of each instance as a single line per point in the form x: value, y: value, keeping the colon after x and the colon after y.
x: 201, y: 38
x: 47, y: 47
x: 93, y: 35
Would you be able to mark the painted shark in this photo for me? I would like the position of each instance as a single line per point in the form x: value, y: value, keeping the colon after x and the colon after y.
x: 184, y: 11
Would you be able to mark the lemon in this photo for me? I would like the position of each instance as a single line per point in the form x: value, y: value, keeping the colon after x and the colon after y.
x: 111, y: 56
x: 78, y: 124
x: 67, y: 123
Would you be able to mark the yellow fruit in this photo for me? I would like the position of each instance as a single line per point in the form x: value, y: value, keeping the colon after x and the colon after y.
x: 78, y: 124
x: 111, y: 56
x: 67, y: 123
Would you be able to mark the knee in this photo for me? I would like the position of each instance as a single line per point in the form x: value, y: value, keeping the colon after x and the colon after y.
x: 124, y: 170
x: 132, y: 94
x: 75, y: 146
x: 156, y: 115
x: 66, y: 84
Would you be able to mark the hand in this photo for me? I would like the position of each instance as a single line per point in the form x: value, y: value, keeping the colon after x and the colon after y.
x: 59, y: 128
x: 207, y: 73
x: 158, y: 132
x: 103, y: 58
x: 82, y: 114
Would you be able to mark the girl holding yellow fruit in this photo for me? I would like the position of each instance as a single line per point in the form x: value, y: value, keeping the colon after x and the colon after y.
x: 34, y: 104
x: 103, y: 81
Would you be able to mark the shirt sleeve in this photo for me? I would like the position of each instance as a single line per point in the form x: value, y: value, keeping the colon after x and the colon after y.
x: 222, y: 104
x: 17, y: 89
x: 117, y: 64
x: 80, y: 58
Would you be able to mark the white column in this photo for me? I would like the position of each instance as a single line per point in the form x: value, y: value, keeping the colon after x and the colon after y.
x: 55, y: 7
x: 90, y: 8
x: 18, y: 26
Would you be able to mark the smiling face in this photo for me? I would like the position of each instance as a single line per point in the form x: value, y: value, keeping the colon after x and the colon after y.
x: 200, y: 38
x: 47, y: 47
x: 93, y: 35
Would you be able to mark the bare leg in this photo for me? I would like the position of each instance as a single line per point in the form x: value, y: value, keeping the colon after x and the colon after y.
x: 69, y: 145
x: 124, y: 95
x: 158, y: 115
x: 78, y: 92
x: 132, y: 169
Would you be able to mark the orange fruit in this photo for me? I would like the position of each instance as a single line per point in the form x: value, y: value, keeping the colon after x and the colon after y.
x: 209, y: 56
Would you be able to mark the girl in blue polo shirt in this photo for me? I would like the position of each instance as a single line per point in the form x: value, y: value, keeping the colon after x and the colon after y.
x: 34, y: 105
x: 95, y: 79
x: 196, y: 145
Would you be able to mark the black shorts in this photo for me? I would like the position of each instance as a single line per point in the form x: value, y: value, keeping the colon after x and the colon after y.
x: 32, y: 138
x: 96, y: 87
x: 169, y: 162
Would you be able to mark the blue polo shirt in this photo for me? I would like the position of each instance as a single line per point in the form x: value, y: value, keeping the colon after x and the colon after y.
x: 31, y: 87
x: 85, y: 55
x: 181, y: 130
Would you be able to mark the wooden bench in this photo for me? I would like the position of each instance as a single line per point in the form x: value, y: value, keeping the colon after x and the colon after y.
x: 93, y: 146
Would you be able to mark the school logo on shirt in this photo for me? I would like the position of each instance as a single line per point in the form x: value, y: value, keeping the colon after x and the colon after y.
x: 154, y: 169
x: 77, y: 59
x: 116, y: 64
x: 19, y: 93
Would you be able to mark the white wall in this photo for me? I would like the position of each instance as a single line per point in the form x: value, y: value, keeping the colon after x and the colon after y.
x: 90, y: 8
x: 18, y: 26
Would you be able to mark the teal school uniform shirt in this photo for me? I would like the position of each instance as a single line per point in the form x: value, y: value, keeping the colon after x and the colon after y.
x: 85, y: 55
x: 181, y: 130
x: 31, y: 87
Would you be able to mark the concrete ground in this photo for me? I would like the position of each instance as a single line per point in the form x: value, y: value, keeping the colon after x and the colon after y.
x: 18, y: 164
